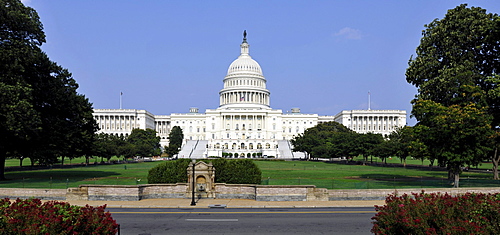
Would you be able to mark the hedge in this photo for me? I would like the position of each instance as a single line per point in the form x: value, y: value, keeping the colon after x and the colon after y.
x: 169, y: 172
x: 31, y: 216
x: 471, y: 213
x: 233, y: 171
x: 236, y: 171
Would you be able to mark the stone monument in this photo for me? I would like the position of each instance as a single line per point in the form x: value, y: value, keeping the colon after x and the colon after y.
x: 204, y: 176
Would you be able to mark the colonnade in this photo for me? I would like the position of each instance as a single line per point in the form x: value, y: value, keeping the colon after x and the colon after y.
x: 374, y: 123
x: 244, y: 122
x: 244, y: 97
x: 116, y: 122
x: 162, y: 127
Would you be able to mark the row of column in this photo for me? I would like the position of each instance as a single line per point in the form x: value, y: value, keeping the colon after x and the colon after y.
x: 244, y: 97
x: 106, y: 122
x: 371, y: 123
x: 244, y: 82
x: 244, y: 122
x: 162, y: 127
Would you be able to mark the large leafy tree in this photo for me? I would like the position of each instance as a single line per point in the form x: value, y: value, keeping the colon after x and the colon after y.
x: 41, y: 114
x: 455, y: 70
x: 175, y: 138
x: 324, y: 140
x: 145, y: 143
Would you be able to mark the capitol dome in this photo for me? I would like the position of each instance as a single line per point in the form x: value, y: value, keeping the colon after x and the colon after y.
x: 244, y: 84
x: 244, y: 63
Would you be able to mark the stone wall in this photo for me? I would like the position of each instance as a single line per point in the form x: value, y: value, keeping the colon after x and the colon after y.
x: 127, y: 192
x: 381, y: 194
x: 223, y: 191
x: 282, y: 192
x: 235, y: 191
x: 24, y: 193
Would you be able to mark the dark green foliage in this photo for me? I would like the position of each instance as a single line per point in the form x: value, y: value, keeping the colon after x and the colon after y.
x: 456, y: 69
x: 144, y: 143
x: 438, y: 214
x: 236, y: 171
x: 175, y: 138
x: 41, y: 114
x: 332, y: 139
x: 313, y: 140
x: 233, y: 171
x: 169, y: 172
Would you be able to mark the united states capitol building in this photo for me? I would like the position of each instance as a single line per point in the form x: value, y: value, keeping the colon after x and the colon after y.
x: 244, y: 123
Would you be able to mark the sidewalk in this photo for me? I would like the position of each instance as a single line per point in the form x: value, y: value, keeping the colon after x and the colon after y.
x: 228, y: 203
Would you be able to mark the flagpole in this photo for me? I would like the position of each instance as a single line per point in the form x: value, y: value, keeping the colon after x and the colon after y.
x: 121, y: 93
x: 369, y: 100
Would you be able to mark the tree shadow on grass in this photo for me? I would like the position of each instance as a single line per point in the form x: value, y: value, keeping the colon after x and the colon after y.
x: 53, y: 178
x: 403, y: 181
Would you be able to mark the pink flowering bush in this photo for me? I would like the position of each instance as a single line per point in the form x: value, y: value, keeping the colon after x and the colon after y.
x: 421, y: 213
x: 31, y: 216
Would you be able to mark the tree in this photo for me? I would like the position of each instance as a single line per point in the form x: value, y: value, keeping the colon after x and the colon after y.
x: 367, y: 144
x: 175, y: 141
x: 313, y: 139
x: 456, y: 135
x: 455, y: 72
x: 145, y: 143
x: 41, y: 114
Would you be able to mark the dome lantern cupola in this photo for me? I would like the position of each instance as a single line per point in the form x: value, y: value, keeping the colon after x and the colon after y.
x: 244, y: 84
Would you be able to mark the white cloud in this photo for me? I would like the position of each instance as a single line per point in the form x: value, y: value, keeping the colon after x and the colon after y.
x: 349, y: 33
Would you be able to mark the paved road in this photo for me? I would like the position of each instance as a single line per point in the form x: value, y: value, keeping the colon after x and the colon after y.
x: 244, y: 221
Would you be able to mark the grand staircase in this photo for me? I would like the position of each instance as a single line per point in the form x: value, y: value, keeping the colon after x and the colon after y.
x: 285, y: 151
x: 193, y: 149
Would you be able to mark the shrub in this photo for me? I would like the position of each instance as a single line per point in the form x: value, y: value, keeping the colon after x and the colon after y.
x: 438, y: 214
x: 169, y: 172
x: 234, y: 171
x: 31, y: 216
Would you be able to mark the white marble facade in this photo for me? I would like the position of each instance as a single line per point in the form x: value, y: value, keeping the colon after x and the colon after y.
x: 244, y: 122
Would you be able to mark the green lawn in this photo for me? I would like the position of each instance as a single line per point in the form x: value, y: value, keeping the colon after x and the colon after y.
x: 341, y: 176
x: 321, y: 174
x: 121, y: 174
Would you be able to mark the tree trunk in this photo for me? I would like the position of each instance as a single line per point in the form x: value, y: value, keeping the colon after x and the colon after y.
x: 454, y: 174
x: 3, y: 156
x: 21, y: 161
x: 495, y: 160
x: 457, y: 180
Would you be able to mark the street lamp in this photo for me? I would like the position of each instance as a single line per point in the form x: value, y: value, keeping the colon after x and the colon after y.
x: 193, y: 202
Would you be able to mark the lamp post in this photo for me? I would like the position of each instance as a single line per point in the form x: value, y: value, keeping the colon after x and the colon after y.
x: 193, y: 203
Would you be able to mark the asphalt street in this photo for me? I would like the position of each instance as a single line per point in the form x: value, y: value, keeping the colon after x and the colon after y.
x: 346, y: 220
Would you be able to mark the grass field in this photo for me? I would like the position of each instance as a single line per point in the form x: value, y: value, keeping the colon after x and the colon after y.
x: 341, y: 176
x: 321, y: 174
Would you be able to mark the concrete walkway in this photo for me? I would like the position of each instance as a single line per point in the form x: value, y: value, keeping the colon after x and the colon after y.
x: 229, y: 203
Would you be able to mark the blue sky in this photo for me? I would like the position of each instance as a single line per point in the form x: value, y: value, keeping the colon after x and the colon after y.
x: 167, y: 56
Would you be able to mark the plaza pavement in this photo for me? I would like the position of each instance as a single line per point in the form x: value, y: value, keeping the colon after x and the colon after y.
x: 228, y: 203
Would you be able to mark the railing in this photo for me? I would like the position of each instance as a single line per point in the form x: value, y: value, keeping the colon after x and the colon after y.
x: 195, y: 145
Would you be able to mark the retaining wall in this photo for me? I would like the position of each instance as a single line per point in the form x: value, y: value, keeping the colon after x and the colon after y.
x: 223, y: 191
